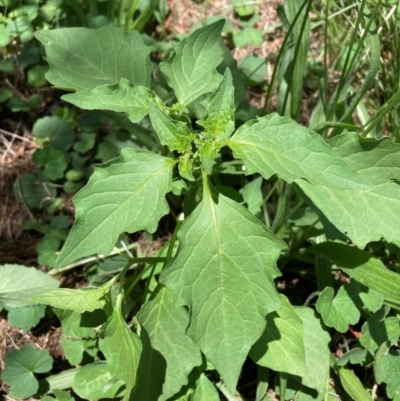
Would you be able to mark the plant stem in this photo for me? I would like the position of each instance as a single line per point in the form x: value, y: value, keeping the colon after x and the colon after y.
x: 173, y: 239
x: 97, y: 258
x: 221, y: 387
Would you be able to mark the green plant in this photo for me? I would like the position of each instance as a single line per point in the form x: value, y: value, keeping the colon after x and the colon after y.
x: 180, y: 324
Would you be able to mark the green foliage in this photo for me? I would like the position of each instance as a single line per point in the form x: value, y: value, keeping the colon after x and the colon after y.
x: 20, y: 366
x: 90, y: 67
x: 191, y: 69
x: 91, y: 382
x: 122, y: 349
x: 160, y: 321
x: 18, y: 283
x: 176, y: 138
x: 339, y: 311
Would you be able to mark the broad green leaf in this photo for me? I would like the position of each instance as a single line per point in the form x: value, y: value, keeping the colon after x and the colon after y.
x: 281, y: 346
x: 278, y: 145
x: 58, y: 132
x: 26, y: 317
x: 191, y: 70
x: 316, y: 340
x: 172, y: 133
x: 338, y: 311
x: 121, y: 347
x: 224, y: 272
x: 379, y: 329
x: 377, y: 161
x: 18, y: 283
x: 82, y: 59
x: 208, y: 153
x: 91, y: 380
x: 220, y: 107
x: 85, y: 300
x: 125, y: 194
x: 169, y: 355
x: 364, y: 268
x: 354, y: 212
x: 122, y: 97
x: 354, y: 356
x: 252, y: 195
x: 54, y: 162
x: 20, y: 366
x: 387, y: 369
x: 205, y: 390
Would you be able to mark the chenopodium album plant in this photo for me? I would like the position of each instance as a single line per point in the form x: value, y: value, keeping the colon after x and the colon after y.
x: 216, y: 300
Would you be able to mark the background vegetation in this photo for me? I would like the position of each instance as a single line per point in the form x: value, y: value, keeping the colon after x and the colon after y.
x: 337, y: 71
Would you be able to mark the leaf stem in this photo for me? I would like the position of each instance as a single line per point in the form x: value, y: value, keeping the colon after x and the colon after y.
x: 97, y: 258
x: 224, y: 390
x: 173, y: 239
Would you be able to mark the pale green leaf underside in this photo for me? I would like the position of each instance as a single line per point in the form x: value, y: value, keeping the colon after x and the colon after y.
x: 83, y: 59
x: 18, y: 283
x: 191, y: 69
x: 224, y: 273
x: 363, y: 267
x: 86, y: 300
x: 316, y: 340
x: 122, y: 349
x: 375, y: 161
x: 127, y: 194
x: 281, y: 346
x: 169, y: 355
x: 220, y: 107
x: 337, y: 311
x: 172, y: 133
x: 278, y: 145
x: 355, y: 212
x: 123, y: 97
